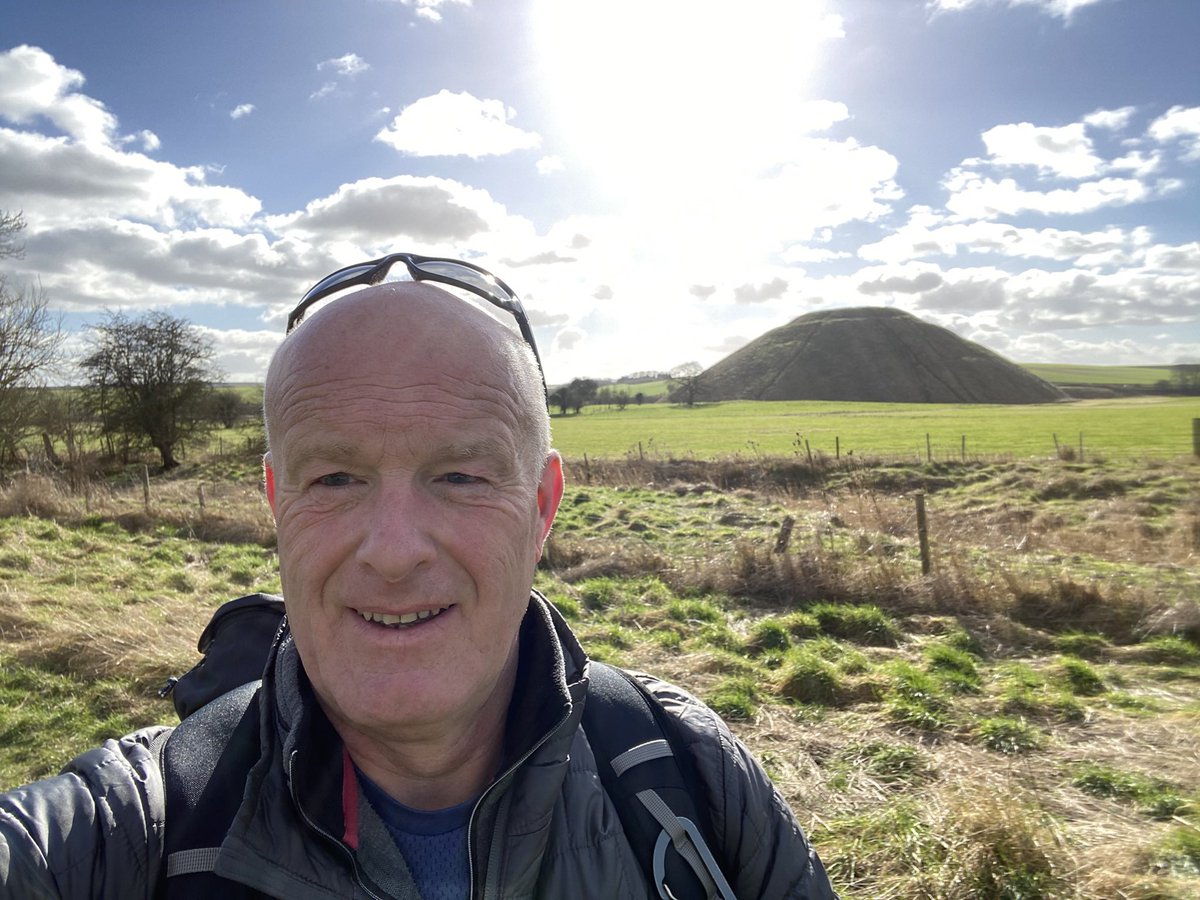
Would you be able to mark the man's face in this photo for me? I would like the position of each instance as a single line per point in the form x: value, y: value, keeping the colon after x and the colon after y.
x: 408, y: 530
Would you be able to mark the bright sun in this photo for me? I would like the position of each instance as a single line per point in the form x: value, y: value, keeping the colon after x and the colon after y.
x: 662, y: 92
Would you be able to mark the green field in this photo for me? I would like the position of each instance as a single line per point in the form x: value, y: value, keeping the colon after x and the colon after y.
x: 1127, y: 426
x: 1133, y: 376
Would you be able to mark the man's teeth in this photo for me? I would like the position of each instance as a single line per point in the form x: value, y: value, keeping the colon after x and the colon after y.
x: 400, y: 621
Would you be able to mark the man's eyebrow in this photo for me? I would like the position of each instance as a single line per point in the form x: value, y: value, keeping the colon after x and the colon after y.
x: 306, y: 451
x: 484, y: 448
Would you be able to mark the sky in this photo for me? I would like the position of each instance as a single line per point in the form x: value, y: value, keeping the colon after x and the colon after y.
x: 661, y: 181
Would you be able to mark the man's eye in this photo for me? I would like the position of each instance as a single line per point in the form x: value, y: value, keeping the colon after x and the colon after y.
x: 335, y: 479
x: 461, y: 478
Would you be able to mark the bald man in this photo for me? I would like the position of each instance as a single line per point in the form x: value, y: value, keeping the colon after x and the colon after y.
x: 417, y: 731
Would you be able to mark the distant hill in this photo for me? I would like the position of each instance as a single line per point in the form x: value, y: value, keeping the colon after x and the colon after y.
x: 871, y: 354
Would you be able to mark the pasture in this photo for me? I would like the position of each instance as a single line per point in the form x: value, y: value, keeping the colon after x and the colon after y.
x: 1020, y: 721
x: 1127, y: 426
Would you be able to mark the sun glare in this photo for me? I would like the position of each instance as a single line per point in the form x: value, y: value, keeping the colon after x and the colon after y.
x: 682, y: 112
x: 671, y: 89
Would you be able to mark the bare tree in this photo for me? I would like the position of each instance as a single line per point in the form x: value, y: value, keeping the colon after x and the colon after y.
x: 11, y: 226
x: 30, y: 337
x: 686, y: 383
x: 149, y: 379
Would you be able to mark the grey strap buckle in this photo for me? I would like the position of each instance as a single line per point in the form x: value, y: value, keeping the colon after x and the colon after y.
x: 723, y: 890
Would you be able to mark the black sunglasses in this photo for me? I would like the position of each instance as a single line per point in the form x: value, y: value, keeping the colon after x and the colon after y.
x: 453, y: 272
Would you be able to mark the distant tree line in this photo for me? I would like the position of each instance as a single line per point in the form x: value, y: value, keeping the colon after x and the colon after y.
x: 685, y: 384
x: 1185, y: 380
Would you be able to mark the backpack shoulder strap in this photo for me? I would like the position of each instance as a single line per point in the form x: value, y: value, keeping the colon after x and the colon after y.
x: 654, y: 788
x: 204, y: 761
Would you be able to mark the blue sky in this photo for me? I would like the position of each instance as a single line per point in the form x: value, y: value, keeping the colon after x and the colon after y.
x: 660, y: 180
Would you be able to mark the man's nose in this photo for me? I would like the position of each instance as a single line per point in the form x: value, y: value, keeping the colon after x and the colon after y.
x: 397, y: 538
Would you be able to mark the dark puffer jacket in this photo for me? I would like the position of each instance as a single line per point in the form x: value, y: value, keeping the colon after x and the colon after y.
x: 544, y: 829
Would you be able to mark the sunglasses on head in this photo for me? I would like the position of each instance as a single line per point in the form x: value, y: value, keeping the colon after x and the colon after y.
x: 454, y: 272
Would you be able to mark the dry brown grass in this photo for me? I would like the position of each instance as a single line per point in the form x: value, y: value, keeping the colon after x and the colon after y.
x: 234, y: 513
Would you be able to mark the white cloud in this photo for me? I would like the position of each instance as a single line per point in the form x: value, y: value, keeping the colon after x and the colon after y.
x: 323, y: 91
x: 978, y: 197
x: 241, y: 110
x: 148, y: 139
x: 1182, y: 124
x: 240, y: 354
x: 1183, y: 256
x: 379, y: 212
x: 456, y: 124
x: 910, y: 279
x: 1063, y: 9
x: 548, y: 165
x: 1037, y: 299
x: 1051, y: 348
x: 351, y: 64
x: 60, y: 181
x: 1110, y: 119
x: 760, y: 293
x: 568, y: 339
x: 430, y: 10
x: 1064, y: 152
x: 33, y: 85
x: 925, y: 235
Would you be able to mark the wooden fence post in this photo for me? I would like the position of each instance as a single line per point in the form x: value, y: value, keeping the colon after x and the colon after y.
x: 928, y: 449
x: 922, y: 533
x: 146, y: 486
x: 785, y: 534
x: 1196, y: 437
x: 200, y: 497
x: 837, y: 446
x: 964, y: 448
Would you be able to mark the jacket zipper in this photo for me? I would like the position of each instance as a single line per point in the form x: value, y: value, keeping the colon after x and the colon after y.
x: 507, y: 772
x: 322, y: 832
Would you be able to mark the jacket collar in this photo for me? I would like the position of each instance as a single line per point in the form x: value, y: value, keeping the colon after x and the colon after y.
x: 547, y: 701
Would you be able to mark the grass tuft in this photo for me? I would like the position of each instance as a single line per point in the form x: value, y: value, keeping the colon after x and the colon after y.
x: 1009, y: 736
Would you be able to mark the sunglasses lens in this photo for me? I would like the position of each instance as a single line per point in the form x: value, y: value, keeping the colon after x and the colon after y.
x: 340, y: 277
x: 468, y: 276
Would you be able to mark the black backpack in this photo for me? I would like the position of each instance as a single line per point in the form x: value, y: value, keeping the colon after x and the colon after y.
x: 654, y: 788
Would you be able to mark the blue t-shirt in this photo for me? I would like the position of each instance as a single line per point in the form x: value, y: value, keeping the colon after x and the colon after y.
x: 434, y: 842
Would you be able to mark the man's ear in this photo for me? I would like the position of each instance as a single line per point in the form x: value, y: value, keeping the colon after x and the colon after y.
x: 549, y: 495
x: 269, y: 480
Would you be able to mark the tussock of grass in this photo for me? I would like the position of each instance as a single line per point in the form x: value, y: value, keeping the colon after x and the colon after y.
x: 807, y: 678
x: 768, y: 634
x: 1080, y: 678
x: 868, y: 625
x: 968, y: 844
x: 735, y: 698
x: 1009, y: 736
x: 955, y: 668
x: 1154, y: 797
x: 890, y: 763
x: 1082, y: 644
x: 915, y: 698
x: 1166, y: 650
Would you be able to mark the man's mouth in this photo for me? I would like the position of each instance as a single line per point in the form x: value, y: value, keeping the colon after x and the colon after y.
x: 401, y: 621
